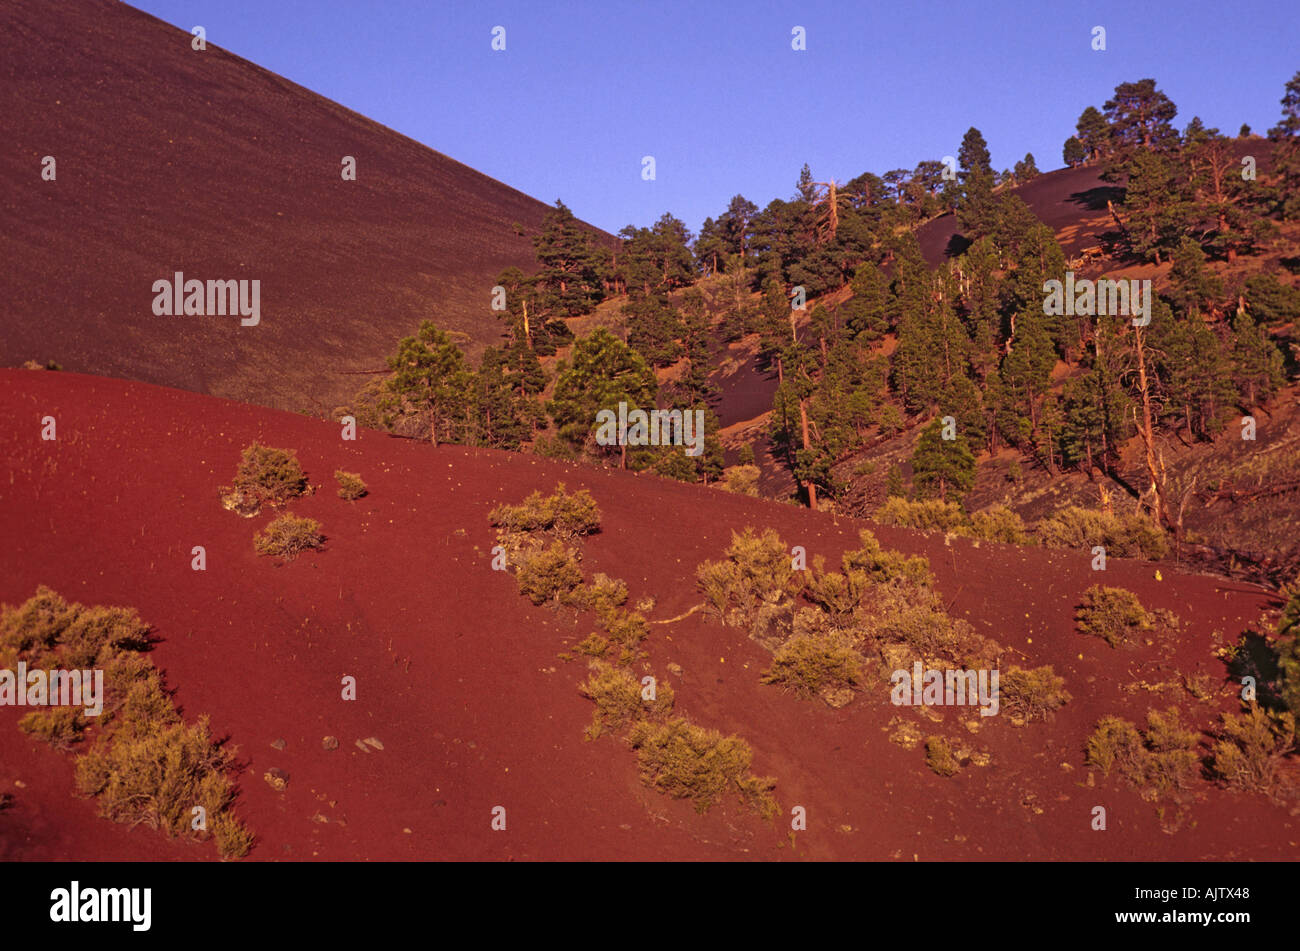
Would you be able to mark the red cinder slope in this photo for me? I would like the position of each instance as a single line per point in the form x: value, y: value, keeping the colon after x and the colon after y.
x: 458, y: 678
x: 171, y: 159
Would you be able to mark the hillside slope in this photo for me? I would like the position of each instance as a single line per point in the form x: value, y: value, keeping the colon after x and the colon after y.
x: 171, y: 159
x: 458, y: 676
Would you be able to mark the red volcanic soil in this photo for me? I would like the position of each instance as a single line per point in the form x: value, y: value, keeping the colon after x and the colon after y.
x: 457, y: 675
x: 171, y: 159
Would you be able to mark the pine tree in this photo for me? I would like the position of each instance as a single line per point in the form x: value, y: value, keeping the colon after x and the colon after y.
x: 1256, y: 361
x: 1025, y: 169
x: 734, y: 224
x: 501, y: 411
x: 1094, y: 134
x: 601, y: 372
x: 572, y: 263
x: 1098, y: 410
x: 1194, y: 286
x: 1194, y: 376
x: 976, y: 177
x: 1286, y: 153
x: 866, y: 313
x: 942, y: 466
x: 656, y: 260
x: 1025, y: 376
x: 710, y: 248
x: 1157, y: 204
x: 654, y: 328
x: 1232, y: 207
x: 980, y: 294
x: 1073, y: 152
x: 430, y: 376
x: 1141, y: 116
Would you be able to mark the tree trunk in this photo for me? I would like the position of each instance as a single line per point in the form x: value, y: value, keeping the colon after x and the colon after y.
x: 1147, y: 431
x: 808, y: 483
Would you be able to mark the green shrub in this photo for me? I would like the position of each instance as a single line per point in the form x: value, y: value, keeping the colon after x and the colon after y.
x: 997, y: 523
x: 690, y: 762
x: 97, y: 629
x: 1032, y: 694
x: 1171, y: 759
x: 593, y: 645
x: 351, y: 487
x: 1158, y: 763
x: 289, y: 536
x: 1114, y: 614
x: 619, y: 701
x: 602, y: 595
x: 1123, y: 536
x: 265, y: 476
x: 568, y: 516
x: 549, y: 574
x: 939, y: 756
x: 626, y: 628
x: 233, y: 839
x: 811, y: 666
x: 156, y: 779
x: 885, y: 566
x: 926, y: 515
x: 742, y: 480
x: 61, y: 727
x: 146, y: 765
x: 1249, y: 748
x: 1114, y: 741
x: 905, y: 614
x: 757, y: 571
x: 1289, y: 653
x: 38, y: 623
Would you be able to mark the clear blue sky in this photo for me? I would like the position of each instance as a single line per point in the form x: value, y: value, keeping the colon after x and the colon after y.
x: 716, y: 94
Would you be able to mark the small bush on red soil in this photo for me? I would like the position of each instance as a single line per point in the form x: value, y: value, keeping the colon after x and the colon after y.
x: 926, y: 515
x: 1159, y: 762
x: 159, y: 777
x: 567, y: 516
x: 939, y: 756
x: 548, y: 574
x: 813, y: 665
x: 1123, y: 536
x: 1032, y: 694
x: 997, y: 523
x: 351, y: 487
x: 602, y: 595
x: 61, y: 727
x: 289, y: 536
x: 690, y: 762
x: 266, y: 476
x: 1248, y: 750
x: 1113, y: 614
x: 145, y: 765
x: 232, y: 836
x: 742, y: 480
x: 757, y: 571
x: 619, y: 700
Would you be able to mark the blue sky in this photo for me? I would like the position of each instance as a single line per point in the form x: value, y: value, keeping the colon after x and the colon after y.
x: 716, y: 94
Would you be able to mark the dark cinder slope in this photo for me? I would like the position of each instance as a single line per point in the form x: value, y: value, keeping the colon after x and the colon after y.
x: 171, y: 159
